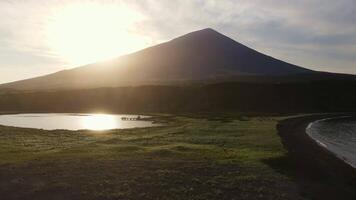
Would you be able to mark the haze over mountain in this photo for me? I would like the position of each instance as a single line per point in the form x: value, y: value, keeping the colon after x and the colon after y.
x: 203, y: 55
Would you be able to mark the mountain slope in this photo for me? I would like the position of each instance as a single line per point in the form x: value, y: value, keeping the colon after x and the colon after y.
x: 198, y: 56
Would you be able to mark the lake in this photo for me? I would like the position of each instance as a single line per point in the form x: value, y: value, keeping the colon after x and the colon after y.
x: 75, y: 121
x: 338, y: 135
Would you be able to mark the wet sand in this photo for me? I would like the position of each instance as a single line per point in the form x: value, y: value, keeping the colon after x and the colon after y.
x: 319, y: 173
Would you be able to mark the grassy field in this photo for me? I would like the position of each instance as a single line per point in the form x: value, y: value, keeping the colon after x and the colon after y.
x: 191, y: 157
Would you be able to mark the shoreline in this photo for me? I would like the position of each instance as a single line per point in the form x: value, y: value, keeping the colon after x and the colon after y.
x: 325, y: 175
x: 323, y: 145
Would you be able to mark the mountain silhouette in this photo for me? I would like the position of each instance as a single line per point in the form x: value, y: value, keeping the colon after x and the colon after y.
x: 204, y: 55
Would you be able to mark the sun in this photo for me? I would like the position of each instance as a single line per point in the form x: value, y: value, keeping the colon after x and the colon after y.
x: 86, y: 33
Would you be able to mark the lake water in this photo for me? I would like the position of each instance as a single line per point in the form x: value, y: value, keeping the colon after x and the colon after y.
x: 52, y: 121
x: 337, y: 135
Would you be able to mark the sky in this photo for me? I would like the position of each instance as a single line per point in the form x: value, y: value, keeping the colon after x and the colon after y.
x: 41, y: 37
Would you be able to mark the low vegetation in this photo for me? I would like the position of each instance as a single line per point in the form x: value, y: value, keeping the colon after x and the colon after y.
x: 191, y: 157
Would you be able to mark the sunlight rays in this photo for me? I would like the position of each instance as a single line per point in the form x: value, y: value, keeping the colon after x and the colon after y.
x: 85, y: 33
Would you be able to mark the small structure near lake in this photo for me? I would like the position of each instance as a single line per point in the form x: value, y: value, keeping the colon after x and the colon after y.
x: 131, y: 118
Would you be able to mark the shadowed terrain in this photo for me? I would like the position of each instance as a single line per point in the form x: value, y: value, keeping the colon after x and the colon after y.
x: 294, y: 97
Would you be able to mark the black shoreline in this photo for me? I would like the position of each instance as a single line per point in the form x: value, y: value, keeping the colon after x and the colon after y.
x: 318, y: 172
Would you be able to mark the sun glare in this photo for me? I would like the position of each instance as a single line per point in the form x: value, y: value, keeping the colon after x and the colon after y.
x: 99, y: 122
x: 85, y: 33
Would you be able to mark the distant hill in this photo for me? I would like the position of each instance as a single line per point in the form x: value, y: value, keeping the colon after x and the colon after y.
x: 272, y: 98
x: 203, y: 55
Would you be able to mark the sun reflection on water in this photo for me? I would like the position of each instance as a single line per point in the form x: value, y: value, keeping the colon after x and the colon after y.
x: 99, y: 122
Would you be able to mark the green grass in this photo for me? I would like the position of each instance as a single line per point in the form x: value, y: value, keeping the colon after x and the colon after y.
x: 192, y: 157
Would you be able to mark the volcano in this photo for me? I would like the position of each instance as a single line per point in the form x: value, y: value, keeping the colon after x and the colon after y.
x: 204, y: 55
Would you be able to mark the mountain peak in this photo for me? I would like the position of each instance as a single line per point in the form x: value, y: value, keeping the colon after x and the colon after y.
x: 207, y: 33
x: 208, y: 30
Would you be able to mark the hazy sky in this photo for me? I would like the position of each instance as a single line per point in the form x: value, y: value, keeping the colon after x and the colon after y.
x: 40, y: 37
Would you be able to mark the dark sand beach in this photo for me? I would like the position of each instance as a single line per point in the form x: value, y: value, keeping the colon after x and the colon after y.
x: 318, y: 171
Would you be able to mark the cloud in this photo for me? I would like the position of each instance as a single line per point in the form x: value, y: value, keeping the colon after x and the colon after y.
x: 23, y: 50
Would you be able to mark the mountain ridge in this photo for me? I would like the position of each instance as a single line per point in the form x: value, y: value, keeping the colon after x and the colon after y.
x: 202, y: 55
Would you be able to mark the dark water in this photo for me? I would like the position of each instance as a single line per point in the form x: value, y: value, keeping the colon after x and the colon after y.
x: 53, y: 121
x: 337, y: 135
